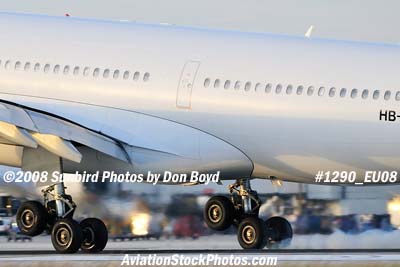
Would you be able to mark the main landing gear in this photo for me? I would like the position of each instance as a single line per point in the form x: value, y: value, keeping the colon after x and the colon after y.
x: 241, y: 210
x: 56, y: 216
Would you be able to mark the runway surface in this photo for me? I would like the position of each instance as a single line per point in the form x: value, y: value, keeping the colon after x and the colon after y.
x: 40, y: 253
x: 283, y: 259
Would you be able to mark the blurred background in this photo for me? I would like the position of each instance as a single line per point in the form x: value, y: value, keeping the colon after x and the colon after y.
x: 322, y: 216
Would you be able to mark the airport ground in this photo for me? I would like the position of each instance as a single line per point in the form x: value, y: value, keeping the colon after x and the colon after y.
x: 39, y: 252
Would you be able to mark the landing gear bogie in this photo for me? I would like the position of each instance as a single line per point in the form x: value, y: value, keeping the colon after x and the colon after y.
x: 242, y: 211
x: 56, y: 217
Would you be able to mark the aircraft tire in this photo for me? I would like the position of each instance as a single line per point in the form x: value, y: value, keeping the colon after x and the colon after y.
x: 31, y: 218
x: 95, y: 235
x: 281, y: 230
x: 219, y: 213
x: 66, y: 236
x: 252, y: 233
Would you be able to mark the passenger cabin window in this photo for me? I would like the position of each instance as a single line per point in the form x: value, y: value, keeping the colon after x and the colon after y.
x: 375, y: 94
x: 364, y: 94
x: 332, y: 91
x: 343, y: 92
x: 17, y: 65
x: 106, y: 73
x: 206, y: 82
x: 300, y: 89
x: 247, y: 86
x: 310, y: 90
x: 321, y: 91
x: 258, y: 86
x: 56, y: 69
x: 227, y: 84
x: 387, y: 95
x: 268, y: 88
x: 116, y: 74
x: 36, y: 68
x: 289, y: 89
x: 66, y: 70
x: 354, y: 93
x: 398, y: 96
x: 7, y: 65
x: 86, y: 71
x: 126, y: 75
x: 96, y: 72
x: 146, y: 77
x: 216, y: 83
x: 46, y: 68
x: 278, y: 89
x: 136, y: 76
x: 237, y: 85
x: 76, y: 71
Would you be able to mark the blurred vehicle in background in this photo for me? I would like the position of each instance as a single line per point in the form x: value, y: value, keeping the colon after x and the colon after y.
x: 350, y: 224
x: 15, y: 234
x: 142, y: 225
x: 146, y: 225
x: 313, y: 224
x: 3, y: 212
x: 4, y: 226
x: 355, y: 224
x: 188, y: 226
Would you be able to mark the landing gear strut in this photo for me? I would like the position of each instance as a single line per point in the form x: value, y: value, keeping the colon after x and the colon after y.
x: 56, y: 215
x: 241, y: 210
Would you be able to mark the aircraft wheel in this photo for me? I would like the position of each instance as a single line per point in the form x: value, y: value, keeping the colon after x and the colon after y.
x: 95, y: 235
x: 31, y: 218
x: 66, y: 236
x: 219, y: 213
x: 282, y: 232
x: 252, y: 233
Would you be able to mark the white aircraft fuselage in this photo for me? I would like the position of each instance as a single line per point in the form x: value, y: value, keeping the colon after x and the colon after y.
x: 181, y: 99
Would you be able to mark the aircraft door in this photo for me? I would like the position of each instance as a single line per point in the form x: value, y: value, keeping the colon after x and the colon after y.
x: 184, y: 94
